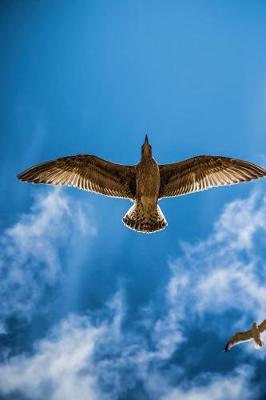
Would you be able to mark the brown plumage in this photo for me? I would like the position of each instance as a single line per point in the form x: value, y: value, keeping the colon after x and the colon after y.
x: 144, y: 183
x: 252, y: 334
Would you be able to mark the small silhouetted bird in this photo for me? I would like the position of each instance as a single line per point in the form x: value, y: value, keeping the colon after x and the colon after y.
x: 144, y: 183
x: 252, y: 334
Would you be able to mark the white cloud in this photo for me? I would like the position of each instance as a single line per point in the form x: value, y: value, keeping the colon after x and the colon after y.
x: 60, y: 366
x: 29, y: 251
x: 225, y: 272
x: 233, y: 386
x: 239, y: 222
x: 76, y: 359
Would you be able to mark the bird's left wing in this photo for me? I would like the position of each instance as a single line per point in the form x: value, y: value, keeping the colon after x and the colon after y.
x: 85, y: 172
x: 204, y: 172
x: 262, y: 326
x: 238, y: 338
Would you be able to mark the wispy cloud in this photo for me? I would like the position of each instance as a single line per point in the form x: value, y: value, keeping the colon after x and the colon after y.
x: 30, y: 251
x: 59, y: 367
x: 233, y: 386
x: 226, y: 271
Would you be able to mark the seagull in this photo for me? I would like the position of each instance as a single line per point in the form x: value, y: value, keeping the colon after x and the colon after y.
x: 144, y: 183
x: 252, y: 334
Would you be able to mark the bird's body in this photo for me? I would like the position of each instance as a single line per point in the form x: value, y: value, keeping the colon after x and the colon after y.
x: 253, y: 334
x: 145, y: 183
x: 256, y: 334
x: 145, y: 215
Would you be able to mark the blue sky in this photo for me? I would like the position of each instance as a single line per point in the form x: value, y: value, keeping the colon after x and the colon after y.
x: 90, y: 308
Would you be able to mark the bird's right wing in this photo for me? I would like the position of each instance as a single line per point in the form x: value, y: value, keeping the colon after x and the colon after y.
x: 85, y: 172
x: 205, y: 172
x: 262, y: 326
x: 238, y: 338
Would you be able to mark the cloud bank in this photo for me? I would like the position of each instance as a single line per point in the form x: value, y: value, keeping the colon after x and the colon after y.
x: 96, y: 356
x: 88, y: 361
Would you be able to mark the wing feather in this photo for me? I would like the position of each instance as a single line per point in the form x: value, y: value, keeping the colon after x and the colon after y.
x: 238, y: 338
x: 85, y: 172
x: 204, y: 172
x: 262, y: 326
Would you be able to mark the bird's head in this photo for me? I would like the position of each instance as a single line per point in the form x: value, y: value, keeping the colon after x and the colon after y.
x: 254, y: 325
x: 146, y: 148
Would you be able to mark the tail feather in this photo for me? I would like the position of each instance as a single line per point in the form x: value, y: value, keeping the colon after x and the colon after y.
x: 145, y: 220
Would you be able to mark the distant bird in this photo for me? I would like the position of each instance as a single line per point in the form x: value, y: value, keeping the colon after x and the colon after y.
x: 252, y: 334
x: 145, y: 183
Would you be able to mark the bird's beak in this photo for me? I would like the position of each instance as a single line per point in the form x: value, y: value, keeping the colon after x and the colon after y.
x: 146, y: 139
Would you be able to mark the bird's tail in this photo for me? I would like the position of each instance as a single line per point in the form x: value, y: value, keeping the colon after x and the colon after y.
x: 143, y: 219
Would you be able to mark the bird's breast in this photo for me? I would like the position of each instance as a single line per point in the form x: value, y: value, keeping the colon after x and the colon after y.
x: 148, y: 180
x: 256, y: 334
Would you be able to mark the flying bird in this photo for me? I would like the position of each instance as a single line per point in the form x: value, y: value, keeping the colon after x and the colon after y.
x: 145, y: 183
x: 252, y: 334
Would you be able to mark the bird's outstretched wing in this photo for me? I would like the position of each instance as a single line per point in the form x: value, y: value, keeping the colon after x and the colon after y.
x: 238, y: 338
x: 85, y: 172
x: 204, y: 172
x: 262, y: 326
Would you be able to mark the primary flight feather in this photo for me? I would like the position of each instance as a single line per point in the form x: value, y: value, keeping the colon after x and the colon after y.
x: 145, y: 183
